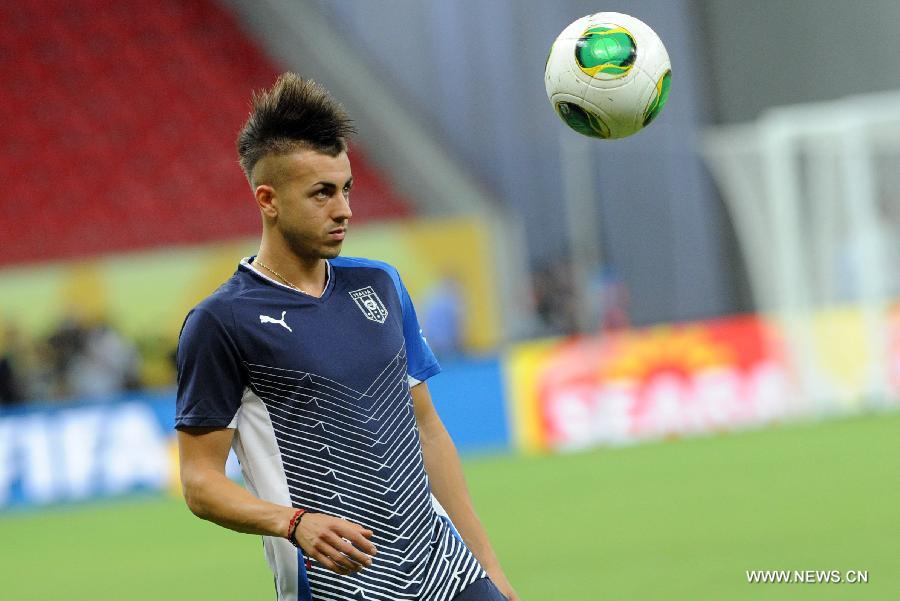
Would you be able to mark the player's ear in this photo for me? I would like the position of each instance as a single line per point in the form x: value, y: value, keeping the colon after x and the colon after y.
x: 265, y: 197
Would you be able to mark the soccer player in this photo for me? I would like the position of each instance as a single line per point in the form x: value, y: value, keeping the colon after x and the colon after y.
x: 313, y: 367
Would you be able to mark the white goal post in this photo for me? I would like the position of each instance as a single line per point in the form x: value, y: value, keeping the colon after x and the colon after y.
x: 814, y: 196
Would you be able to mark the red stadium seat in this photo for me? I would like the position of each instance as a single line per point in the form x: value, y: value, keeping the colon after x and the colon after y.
x: 120, y: 118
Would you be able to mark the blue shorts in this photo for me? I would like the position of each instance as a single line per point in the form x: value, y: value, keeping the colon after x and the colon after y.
x: 482, y: 589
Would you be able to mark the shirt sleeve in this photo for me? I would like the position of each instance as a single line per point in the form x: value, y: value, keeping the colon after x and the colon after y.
x: 211, y: 378
x: 421, y: 362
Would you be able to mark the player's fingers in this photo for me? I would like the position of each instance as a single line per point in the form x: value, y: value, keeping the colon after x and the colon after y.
x: 353, y: 553
x: 363, y: 545
x: 344, y: 565
x: 328, y: 563
x: 358, y: 537
x: 333, y: 547
x: 357, y: 559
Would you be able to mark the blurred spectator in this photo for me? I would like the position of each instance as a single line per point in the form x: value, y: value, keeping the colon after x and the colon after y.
x: 12, y: 387
x: 555, y: 299
x: 613, y: 301
x: 442, y: 317
x: 105, y: 364
x: 42, y: 377
x: 64, y: 344
x: 74, y: 360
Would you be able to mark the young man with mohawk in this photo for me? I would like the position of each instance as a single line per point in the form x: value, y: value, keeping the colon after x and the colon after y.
x: 313, y: 367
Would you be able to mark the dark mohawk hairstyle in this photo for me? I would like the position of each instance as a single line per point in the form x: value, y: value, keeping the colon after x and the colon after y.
x: 293, y: 114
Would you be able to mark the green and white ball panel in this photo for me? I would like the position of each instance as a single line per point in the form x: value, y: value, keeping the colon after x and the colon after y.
x: 659, y: 98
x: 606, y: 52
x: 581, y: 116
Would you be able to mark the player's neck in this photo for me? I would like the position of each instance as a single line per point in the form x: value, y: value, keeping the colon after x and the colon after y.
x: 308, y: 274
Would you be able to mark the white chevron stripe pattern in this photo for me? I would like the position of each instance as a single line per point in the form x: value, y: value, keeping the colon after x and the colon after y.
x: 356, y: 455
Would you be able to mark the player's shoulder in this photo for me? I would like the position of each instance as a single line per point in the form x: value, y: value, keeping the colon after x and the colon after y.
x: 362, y: 262
x: 363, y: 265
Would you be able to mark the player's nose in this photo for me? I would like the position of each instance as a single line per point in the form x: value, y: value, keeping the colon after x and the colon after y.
x: 342, y: 210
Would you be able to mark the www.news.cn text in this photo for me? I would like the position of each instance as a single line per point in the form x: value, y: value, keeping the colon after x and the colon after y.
x: 807, y: 576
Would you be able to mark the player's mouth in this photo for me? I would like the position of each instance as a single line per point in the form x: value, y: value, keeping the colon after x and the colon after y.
x: 337, y: 234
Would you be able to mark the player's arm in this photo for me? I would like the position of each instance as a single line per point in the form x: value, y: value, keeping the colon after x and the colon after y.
x: 211, y: 495
x: 449, y: 486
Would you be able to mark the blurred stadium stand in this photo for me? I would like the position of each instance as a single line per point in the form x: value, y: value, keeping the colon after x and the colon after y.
x: 121, y: 117
x: 120, y: 124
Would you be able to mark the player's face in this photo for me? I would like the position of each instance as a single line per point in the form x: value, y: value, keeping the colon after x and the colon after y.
x: 313, y: 202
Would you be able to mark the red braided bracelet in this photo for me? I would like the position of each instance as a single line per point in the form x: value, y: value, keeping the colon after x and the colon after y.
x: 292, y: 526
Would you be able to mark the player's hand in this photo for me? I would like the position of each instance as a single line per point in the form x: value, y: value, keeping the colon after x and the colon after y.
x: 338, y: 545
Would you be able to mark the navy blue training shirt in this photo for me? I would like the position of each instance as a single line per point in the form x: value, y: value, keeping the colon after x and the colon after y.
x: 317, y: 390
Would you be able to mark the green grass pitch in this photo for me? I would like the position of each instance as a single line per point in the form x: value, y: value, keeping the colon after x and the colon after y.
x: 674, y: 520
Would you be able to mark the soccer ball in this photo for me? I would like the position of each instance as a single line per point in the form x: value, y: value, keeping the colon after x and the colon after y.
x: 608, y: 75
